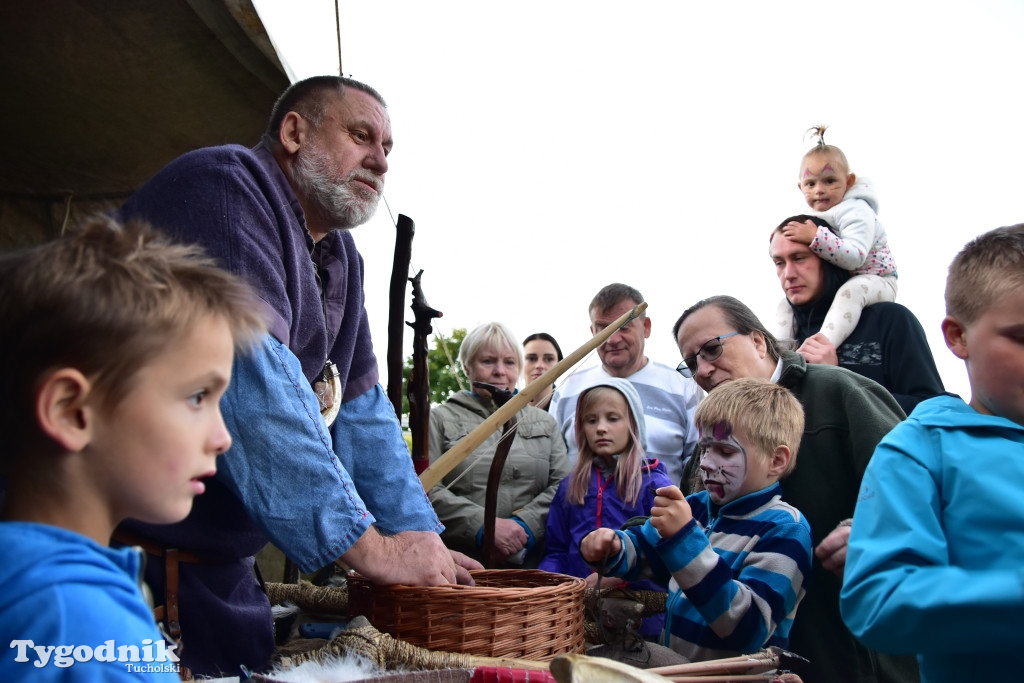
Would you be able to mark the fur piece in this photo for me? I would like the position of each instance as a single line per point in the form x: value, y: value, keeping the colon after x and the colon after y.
x: 285, y: 610
x: 333, y: 670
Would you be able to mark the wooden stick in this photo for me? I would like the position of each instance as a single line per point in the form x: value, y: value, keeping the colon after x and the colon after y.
x: 405, y: 230
x: 739, y: 665
x: 509, y: 662
x: 419, y: 380
x: 737, y: 658
x: 722, y: 679
x: 460, y: 451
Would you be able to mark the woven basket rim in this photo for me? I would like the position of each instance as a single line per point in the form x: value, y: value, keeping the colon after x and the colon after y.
x: 554, y: 583
x: 502, y: 619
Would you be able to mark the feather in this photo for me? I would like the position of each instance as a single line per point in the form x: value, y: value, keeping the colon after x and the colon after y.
x: 331, y: 670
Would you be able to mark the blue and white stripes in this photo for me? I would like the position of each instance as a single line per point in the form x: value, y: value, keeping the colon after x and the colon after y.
x: 735, y: 574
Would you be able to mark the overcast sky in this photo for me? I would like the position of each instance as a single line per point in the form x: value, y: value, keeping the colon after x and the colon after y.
x: 546, y: 149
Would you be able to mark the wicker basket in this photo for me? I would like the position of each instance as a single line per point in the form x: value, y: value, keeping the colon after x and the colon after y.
x: 522, y: 613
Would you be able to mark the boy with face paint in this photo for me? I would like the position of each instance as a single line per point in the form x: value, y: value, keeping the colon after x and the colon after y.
x: 857, y: 243
x: 735, y: 555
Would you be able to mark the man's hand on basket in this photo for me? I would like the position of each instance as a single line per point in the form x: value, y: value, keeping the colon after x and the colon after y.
x: 412, y: 558
x: 463, y: 564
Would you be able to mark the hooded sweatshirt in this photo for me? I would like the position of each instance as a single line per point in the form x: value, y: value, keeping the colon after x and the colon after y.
x: 602, y: 507
x: 936, y: 556
x: 59, y: 588
x: 888, y: 344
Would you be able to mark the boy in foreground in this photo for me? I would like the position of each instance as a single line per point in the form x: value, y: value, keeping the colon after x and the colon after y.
x: 934, y: 565
x: 115, y: 348
x: 735, y: 557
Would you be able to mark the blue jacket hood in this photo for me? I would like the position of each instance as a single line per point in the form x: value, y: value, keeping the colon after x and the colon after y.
x: 67, y: 558
x: 953, y: 411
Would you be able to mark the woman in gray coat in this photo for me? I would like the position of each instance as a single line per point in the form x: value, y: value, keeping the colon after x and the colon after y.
x: 535, y: 465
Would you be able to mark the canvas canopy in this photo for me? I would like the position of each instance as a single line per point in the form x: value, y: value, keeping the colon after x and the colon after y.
x: 100, y: 94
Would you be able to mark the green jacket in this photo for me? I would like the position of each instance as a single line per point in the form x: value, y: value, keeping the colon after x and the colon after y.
x: 845, y: 416
x: 536, y: 463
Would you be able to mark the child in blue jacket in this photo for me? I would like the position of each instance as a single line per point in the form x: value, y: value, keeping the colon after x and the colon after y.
x: 935, y: 564
x: 116, y: 346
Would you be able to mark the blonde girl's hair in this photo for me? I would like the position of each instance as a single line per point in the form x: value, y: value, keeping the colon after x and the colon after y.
x: 826, y: 150
x: 628, y: 474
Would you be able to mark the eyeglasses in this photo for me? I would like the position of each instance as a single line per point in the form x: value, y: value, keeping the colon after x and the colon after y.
x: 709, y: 351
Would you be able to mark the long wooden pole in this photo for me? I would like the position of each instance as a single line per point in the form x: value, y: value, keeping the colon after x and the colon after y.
x: 405, y: 231
x: 460, y: 451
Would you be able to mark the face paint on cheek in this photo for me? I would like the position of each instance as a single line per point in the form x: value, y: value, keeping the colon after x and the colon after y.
x: 723, y: 463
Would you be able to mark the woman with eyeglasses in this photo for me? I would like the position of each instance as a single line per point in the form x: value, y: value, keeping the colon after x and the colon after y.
x: 845, y: 416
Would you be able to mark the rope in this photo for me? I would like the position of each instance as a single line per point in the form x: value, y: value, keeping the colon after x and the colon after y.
x: 337, y: 33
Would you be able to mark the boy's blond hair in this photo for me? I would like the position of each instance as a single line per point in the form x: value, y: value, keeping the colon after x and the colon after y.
x: 986, y: 269
x: 764, y: 414
x: 105, y: 299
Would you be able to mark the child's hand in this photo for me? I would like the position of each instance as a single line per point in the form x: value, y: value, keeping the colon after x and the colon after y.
x: 671, y: 512
x: 800, y: 232
x: 605, y: 582
x: 600, y: 544
x: 818, y: 349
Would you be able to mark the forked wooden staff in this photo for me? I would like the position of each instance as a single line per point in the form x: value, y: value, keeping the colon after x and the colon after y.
x: 419, y: 378
x: 457, y: 453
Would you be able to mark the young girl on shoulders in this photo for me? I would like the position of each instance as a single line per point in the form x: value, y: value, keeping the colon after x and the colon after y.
x: 612, y: 482
x: 857, y: 242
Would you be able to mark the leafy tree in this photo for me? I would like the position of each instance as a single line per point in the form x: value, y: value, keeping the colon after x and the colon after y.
x: 442, y: 368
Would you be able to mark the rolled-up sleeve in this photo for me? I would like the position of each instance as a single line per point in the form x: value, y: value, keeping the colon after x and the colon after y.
x: 282, y: 464
x: 368, y: 441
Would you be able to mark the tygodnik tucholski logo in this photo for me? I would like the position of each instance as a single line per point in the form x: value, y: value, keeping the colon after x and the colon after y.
x: 150, y: 657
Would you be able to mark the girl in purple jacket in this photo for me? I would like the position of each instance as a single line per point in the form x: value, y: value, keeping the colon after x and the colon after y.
x: 612, y: 482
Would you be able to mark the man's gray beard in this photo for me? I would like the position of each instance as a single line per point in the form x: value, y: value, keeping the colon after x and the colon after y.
x: 337, y: 203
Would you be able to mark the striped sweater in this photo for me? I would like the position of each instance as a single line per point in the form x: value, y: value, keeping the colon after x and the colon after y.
x: 735, y: 574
